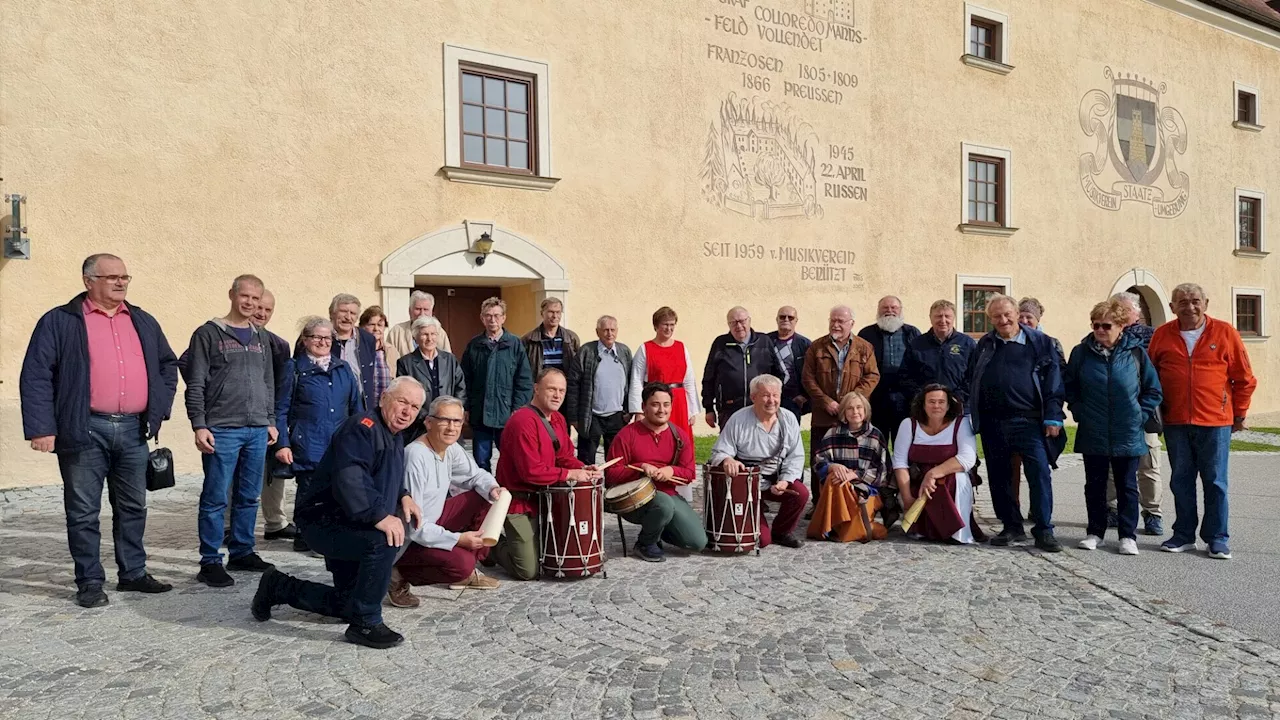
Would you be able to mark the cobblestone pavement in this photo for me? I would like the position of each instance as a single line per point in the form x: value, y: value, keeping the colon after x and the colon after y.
x: 895, y: 629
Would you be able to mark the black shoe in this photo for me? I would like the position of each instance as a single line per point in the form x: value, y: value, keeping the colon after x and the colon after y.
x: 91, y: 597
x: 379, y: 637
x: 1048, y: 543
x: 1008, y: 537
x: 265, y: 598
x: 214, y: 575
x: 226, y: 538
x: 300, y: 545
x: 144, y: 584
x: 288, y: 532
x: 790, y: 541
x: 650, y: 553
x: 249, y: 563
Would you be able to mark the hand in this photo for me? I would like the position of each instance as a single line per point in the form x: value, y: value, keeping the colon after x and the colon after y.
x: 800, y: 400
x: 929, y: 484
x: 470, y: 540
x: 779, y: 487
x: 284, y: 456
x: 582, y: 474
x: 692, y: 419
x: 711, y: 419
x: 649, y: 470
x: 1052, y: 430
x: 1237, y: 425
x: 833, y: 407
x: 394, y: 529
x: 664, y: 474
x: 272, y: 435
x: 204, y: 441
x: 839, y: 474
x: 732, y: 467
x: 44, y: 443
x: 495, y: 494
x: 410, y: 511
x: 635, y: 417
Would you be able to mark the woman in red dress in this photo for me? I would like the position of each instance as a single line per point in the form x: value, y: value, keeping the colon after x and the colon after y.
x: 664, y: 359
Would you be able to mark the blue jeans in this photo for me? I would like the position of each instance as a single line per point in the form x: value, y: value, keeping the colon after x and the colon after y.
x: 482, y: 441
x: 1196, y: 450
x: 360, y: 561
x: 1125, y: 471
x: 239, y: 455
x: 1001, y: 439
x: 117, y: 452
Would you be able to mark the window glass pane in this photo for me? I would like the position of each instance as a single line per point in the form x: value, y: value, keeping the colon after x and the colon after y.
x: 496, y: 151
x: 518, y: 155
x: 518, y: 126
x: 517, y: 96
x: 470, y: 87
x: 494, y: 92
x: 495, y: 122
x: 473, y: 149
x: 472, y: 119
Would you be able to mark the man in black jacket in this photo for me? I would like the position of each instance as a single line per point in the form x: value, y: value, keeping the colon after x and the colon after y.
x: 791, y: 347
x: 735, y: 359
x: 97, y: 381
x: 353, y: 512
x: 939, y: 356
x: 354, y: 344
x: 889, y: 337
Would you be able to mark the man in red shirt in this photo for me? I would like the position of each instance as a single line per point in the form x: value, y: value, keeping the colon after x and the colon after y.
x: 665, y: 455
x: 535, y: 451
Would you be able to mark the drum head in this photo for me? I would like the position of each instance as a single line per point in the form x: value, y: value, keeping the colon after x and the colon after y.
x: 622, y: 490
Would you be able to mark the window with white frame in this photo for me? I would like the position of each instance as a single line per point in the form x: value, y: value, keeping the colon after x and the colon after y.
x: 987, y: 197
x: 1250, y: 225
x: 986, y: 41
x: 972, y: 293
x: 496, y: 119
x: 1247, y: 108
x: 1248, y: 312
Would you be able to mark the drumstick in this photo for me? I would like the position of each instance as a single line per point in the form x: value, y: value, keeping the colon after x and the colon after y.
x: 633, y: 467
x: 675, y: 480
x: 609, y: 464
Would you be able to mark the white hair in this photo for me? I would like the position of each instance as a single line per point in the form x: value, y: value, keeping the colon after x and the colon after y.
x: 401, y: 380
x: 315, y: 321
x: 1188, y: 289
x: 424, y: 321
x: 417, y: 295
x: 342, y: 299
x: 605, y: 318
x: 443, y: 401
x: 999, y: 299
x: 760, y: 381
x: 841, y: 309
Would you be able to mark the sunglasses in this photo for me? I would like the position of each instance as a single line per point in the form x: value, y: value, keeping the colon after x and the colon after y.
x: 1102, y: 326
x: 786, y: 317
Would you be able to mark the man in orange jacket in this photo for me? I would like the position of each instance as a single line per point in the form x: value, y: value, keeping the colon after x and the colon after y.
x: 1204, y: 370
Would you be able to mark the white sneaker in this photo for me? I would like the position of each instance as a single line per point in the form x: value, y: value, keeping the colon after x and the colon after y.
x: 1128, y: 546
x: 1091, y: 542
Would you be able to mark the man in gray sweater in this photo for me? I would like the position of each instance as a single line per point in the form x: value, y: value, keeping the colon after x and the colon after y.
x: 231, y: 403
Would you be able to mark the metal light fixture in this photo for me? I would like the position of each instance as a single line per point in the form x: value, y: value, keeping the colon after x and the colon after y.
x: 482, y: 247
x: 16, y: 246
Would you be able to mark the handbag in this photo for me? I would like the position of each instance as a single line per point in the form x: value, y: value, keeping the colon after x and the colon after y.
x: 159, y: 468
x: 1155, y: 423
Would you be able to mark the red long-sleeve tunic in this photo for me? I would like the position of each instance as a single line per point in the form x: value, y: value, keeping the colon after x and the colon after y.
x: 636, y: 444
x: 528, y: 461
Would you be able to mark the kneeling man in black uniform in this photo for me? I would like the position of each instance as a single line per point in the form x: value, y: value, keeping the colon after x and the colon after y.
x: 354, y: 514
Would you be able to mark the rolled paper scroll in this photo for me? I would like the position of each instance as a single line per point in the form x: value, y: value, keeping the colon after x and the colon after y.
x: 913, y: 513
x: 491, y: 528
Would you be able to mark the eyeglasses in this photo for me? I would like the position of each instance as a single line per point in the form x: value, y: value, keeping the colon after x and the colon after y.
x: 113, y: 279
x: 322, y: 339
x: 1102, y: 326
x: 786, y: 317
x: 743, y: 322
x: 449, y: 422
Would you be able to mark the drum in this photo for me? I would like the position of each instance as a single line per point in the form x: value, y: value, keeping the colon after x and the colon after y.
x: 731, y: 510
x: 570, y: 527
x: 629, y: 497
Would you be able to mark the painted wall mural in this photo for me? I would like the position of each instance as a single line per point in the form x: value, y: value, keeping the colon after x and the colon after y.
x: 1138, y: 139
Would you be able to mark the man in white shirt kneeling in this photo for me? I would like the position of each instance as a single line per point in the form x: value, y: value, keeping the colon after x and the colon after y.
x: 445, y: 546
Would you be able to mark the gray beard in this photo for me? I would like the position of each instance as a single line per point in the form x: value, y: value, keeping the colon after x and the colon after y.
x: 889, y: 323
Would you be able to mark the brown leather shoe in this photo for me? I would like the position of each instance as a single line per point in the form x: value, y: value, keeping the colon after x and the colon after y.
x: 477, y: 581
x: 400, y: 594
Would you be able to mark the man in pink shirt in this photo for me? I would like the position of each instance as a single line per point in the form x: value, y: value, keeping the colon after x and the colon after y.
x: 97, y: 381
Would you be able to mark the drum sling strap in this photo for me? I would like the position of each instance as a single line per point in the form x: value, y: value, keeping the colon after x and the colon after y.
x: 555, y: 441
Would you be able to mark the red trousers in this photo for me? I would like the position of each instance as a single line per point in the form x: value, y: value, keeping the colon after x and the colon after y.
x: 791, y: 507
x: 422, y: 565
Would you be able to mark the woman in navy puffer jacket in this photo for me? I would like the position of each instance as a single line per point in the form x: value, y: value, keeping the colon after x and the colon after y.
x: 1112, y: 391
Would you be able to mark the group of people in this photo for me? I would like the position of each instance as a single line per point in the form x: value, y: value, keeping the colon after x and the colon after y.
x: 367, y: 418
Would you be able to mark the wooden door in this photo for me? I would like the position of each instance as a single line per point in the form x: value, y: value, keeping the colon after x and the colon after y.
x: 458, y: 309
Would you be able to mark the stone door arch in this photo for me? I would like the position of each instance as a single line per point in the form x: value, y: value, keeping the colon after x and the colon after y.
x: 1148, y: 286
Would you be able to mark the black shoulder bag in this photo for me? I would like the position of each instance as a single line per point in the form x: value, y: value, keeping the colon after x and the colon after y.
x: 555, y: 441
x: 159, y: 467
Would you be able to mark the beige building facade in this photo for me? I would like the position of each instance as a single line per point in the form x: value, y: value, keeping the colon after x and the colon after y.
x: 627, y: 155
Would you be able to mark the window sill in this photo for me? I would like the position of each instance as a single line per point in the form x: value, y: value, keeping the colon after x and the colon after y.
x: 998, y: 68
x: 498, y: 179
x: 1255, y: 338
x: 995, y: 230
x: 1238, y: 252
x: 1239, y: 125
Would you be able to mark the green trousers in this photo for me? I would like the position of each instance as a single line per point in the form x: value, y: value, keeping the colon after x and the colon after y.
x: 517, y: 551
x: 670, y: 519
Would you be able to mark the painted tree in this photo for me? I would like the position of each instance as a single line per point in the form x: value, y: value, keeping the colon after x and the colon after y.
x: 713, y: 173
x: 771, y: 174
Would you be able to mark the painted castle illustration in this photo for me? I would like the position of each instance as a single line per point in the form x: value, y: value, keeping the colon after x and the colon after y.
x: 839, y: 12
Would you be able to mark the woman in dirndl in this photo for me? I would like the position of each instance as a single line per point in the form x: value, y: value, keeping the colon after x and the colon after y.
x: 934, y: 451
x: 665, y: 360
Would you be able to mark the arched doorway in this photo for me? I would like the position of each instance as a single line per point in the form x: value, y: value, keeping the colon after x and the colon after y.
x: 521, y: 271
x: 1151, y: 292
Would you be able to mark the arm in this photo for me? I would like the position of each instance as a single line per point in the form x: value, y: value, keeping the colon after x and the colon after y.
x: 168, y: 370
x: 522, y: 383
x: 819, y: 398
x: 686, y: 465
x: 355, y: 403
x: 352, y: 480
x: 876, y: 473
x: 726, y: 445
x: 966, y: 445
x: 619, y: 473
x: 269, y: 375
x: 443, y: 340
x: 709, y: 382
x: 284, y: 400
x: 523, y: 438
x: 1240, y: 376
x: 870, y: 375
x: 792, y: 467
x: 690, y: 387
x: 417, y: 477
x: 459, y: 384
x: 908, y: 384
x: 197, y: 376
x: 902, y: 446
x: 565, y: 457
x: 639, y: 371
x: 1151, y: 394
x: 1053, y: 392
x: 1071, y: 380
x: 35, y: 384
x: 573, y: 391
x: 464, y: 473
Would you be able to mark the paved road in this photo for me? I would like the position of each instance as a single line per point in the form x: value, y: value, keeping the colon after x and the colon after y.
x: 895, y: 629
x: 1241, y: 592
